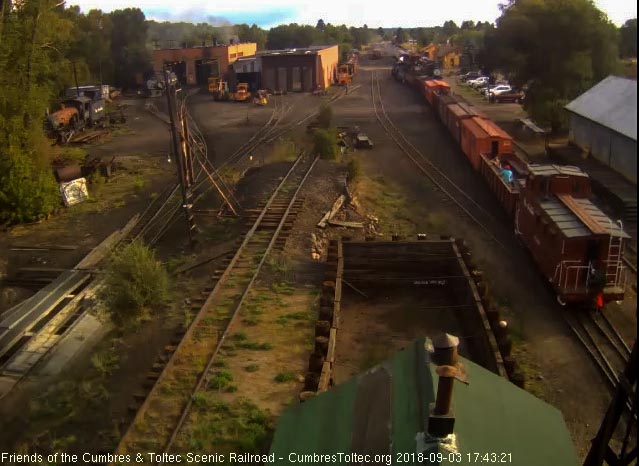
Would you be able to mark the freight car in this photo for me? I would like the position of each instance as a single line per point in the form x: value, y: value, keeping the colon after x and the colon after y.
x: 76, y: 114
x: 573, y: 243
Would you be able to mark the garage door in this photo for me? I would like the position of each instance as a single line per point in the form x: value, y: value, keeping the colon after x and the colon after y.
x: 296, y: 79
x: 269, y: 79
x: 281, y: 79
x: 307, y: 78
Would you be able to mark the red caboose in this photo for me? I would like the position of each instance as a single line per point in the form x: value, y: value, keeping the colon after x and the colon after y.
x: 577, y: 247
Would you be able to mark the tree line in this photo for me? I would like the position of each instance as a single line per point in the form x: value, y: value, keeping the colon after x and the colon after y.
x: 556, y: 49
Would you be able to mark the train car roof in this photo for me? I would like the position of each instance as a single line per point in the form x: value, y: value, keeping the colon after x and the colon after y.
x: 569, y: 223
x: 491, y: 128
x: 550, y: 170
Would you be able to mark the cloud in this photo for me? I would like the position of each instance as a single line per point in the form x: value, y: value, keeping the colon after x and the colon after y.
x: 261, y: 17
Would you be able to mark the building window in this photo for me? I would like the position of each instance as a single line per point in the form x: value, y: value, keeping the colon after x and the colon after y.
x: 240, y: 54
x: 233, y: 55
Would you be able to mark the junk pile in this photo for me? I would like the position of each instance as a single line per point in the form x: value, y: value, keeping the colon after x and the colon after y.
x: 72, y: 178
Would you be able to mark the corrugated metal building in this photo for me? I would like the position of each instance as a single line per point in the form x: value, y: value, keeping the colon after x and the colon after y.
x: 387, y: 411
x: 603, y: 123
x: 303, y: 69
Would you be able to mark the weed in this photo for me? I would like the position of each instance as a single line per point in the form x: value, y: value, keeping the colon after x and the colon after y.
x: 138, y: 183
x: 118, y: 204
x: 284, y: 377
x: 153, y: 196
x: 220, y: 363
x: 251, y: 321
x: 240, y: 336
x: 105, y: 362
x: 250, y: 345
x: 252, y: 368
x: 292, y: 316
x: 230, y: 389
x: 354, y: 169
x: 221, y: 380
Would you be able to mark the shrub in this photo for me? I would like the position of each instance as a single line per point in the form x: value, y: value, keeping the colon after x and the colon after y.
x: 325, y: 144
x: 134, y: 280
x: 325, y: 116
x: 28, y: 191
x: 354, y: 169
x: 284, y: 377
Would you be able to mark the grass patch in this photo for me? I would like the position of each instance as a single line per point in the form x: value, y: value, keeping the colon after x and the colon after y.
x: 252, y: 368
x: 240, y: 336
x: 251, y: 321
x: 220, y: 363
x: 221, y: 380
x: 254, y: 346
x: 284, y: 377
x: 297, y: 316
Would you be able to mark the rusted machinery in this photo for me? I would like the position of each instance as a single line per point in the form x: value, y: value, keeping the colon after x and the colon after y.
x: 344, y: 76
x: 76, y: 114
x: 241, y: 93
x: 219, y: 89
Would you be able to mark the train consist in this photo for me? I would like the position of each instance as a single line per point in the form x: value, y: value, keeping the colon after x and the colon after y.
x: 574, y: 244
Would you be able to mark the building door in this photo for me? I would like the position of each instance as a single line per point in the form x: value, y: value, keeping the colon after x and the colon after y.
x: 269, y: 78
x: 494, y: 147
x: 307, y: 79
x: 282, y: 85
x: 296, y: 84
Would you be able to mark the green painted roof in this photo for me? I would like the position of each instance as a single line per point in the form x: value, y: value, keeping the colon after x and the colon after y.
x: 385, y: 410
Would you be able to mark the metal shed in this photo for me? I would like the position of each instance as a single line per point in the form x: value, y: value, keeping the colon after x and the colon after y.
x: 603, y: 123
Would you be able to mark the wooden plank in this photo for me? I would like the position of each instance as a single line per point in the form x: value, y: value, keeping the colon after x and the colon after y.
x: 332, y: 340
x: 338, y: 223
x: 333, y: 210
x: 325, y: 377
x: 104, y: 248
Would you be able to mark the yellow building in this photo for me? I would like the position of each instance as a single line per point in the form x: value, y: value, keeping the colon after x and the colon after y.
x: 449, y: 56
x: 430, y: 51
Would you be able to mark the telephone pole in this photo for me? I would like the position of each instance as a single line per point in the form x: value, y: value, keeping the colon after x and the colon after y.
x: 180, y: 155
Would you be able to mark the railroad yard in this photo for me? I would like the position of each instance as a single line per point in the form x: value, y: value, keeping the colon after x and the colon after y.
x: 266, y: 306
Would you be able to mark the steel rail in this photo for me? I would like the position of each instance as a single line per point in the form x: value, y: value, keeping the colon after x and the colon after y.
x: 237, y: 308
x: 387, y: 128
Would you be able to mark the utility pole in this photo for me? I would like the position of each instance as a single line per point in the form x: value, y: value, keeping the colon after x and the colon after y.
x: 179, y: 158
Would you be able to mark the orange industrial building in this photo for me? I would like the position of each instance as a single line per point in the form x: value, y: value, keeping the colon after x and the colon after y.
x: 194, y: 65
x: 303, y: 69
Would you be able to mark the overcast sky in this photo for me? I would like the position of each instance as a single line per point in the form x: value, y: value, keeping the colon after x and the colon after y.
x: 375, y: 13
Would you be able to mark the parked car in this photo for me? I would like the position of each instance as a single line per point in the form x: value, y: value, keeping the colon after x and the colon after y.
x: 470, y: 75
x: 509, y: 96
x: 500, y: 89
x: 478, y: 82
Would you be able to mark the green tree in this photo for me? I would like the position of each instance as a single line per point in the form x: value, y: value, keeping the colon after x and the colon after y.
x: 321, y: 25
x: 33, y: 41
x: 628, y: 39
x: 557, y: 49
x: 128, y: 46
x: 401, y: 36
x: 325, y: 116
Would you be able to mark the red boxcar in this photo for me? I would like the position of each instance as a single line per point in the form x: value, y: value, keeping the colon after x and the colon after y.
x: 456, y: 113
x: 430, y: 87
x: 444, y: 102
x: 506, y: 192
x: 575, y: 245
x: 479, y: 136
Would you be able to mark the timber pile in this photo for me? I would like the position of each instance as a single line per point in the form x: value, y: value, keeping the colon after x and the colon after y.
x: 337, y: 205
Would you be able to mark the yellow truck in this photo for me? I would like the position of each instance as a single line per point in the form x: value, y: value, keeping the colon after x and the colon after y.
x: 241, y: 93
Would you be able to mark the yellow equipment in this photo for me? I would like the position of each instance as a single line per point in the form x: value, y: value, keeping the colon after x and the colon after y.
x: 260, y: 98
x: 241, y: 93
x: 219, y: 89
x: 344, y: 76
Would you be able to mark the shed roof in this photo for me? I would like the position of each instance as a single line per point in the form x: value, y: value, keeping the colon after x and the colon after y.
x: 491, y: 128
x: 569, y: 223
x: 611, y: 103
x: 385, y: 411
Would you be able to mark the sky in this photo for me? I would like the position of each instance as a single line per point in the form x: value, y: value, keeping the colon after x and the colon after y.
x: 375, y: 13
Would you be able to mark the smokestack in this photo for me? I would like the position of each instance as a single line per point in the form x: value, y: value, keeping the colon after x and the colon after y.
x: 441, y: 420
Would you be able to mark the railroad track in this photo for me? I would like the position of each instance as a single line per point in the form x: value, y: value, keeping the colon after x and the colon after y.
x: 447, y: 186
x: 165, y: 411
x: 602, y: 341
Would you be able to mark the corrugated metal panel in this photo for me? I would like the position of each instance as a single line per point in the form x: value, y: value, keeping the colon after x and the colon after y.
x: 611, y: 103
x: 549, y: 170
x: 570, y: 225
x: 491, y: 415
